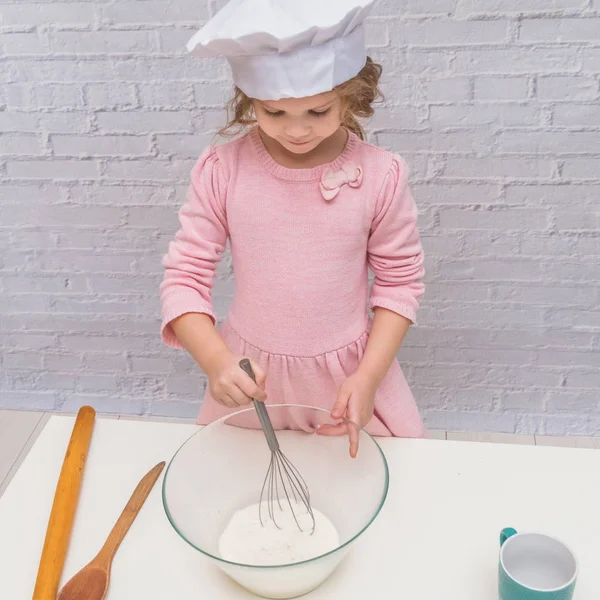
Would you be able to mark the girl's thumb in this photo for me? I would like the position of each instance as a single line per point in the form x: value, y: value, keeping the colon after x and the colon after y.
x: 261, y: 376
x: 341, y: 403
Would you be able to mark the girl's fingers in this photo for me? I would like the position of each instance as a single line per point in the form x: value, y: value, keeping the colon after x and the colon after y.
x: 248, y: 387
x: 261, y: 376
x: 342, y: 429
x: 333, y: 430
x: 238, y: 395
x: 339, y: 408
x: 353, y: 428
x: 227, y: 401
x: 353, y: 434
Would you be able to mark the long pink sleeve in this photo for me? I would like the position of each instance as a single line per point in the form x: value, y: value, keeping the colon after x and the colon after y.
x: 192, y: 258
x: 394, y: 249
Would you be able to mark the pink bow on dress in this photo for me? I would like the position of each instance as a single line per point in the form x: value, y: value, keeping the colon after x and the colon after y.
x: 332, y: 181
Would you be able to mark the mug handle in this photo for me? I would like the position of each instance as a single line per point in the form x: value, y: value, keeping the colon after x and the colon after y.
x: 506, y: 533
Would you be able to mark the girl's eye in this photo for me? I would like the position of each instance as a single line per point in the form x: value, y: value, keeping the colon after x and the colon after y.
x: 313, y: 113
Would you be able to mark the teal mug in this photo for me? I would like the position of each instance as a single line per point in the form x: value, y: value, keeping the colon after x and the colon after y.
x: 534, y: 566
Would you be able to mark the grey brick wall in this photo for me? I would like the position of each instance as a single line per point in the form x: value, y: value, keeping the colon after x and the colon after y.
x: 495, y: 103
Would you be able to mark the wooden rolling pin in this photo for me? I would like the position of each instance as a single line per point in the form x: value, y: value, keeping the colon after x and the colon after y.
x: 63, y: 507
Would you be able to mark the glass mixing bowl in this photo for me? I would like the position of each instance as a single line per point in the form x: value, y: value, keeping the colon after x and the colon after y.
x: 220, y: 469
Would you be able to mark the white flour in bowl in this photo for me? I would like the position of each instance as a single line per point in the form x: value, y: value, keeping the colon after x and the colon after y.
x: 246, y: 541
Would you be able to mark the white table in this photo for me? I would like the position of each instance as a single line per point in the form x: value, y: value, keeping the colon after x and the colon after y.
x: 437, y: 537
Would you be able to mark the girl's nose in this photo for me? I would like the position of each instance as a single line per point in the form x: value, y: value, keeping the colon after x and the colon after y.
x: 297, y: 129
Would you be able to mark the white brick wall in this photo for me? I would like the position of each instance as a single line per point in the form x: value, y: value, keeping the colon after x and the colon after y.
x: 495, y: 103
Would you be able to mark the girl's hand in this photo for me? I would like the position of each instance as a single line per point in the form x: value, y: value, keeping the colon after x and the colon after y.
x: 230, y: 386
x: 356, y: 403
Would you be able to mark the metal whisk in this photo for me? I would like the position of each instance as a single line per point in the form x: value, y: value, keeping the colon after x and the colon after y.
x: 283, y: 478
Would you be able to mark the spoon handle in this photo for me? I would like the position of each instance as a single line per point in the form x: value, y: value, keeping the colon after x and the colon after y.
x: 130, y: 512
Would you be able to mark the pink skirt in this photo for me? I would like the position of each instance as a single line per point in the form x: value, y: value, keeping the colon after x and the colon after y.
x: 314, y: 381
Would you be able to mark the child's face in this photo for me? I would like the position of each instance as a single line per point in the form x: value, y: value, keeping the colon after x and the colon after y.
x: 300, y: 124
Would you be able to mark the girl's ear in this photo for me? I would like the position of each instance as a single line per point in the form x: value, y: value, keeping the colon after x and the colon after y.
x: 343, y: 109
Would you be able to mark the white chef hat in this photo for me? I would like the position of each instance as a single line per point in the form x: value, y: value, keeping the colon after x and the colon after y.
x: 287, y: 48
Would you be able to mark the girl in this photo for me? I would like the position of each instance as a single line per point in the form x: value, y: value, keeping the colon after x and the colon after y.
x: 308, y: 207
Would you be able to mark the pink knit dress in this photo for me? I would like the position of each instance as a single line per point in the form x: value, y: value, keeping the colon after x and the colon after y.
x: 302, y: 241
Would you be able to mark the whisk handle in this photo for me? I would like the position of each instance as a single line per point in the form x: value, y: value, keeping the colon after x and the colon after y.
x: 267, y: 427
x: 261, y: 410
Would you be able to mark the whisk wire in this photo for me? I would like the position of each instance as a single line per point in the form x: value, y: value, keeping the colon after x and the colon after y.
x: 287, y: 495
x: 298, y: 477
x: 298, y: 483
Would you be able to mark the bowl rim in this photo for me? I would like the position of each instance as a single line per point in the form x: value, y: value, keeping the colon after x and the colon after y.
x: 282, y: 565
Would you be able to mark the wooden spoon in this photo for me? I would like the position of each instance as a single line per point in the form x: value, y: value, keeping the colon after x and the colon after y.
x: 91, y: 583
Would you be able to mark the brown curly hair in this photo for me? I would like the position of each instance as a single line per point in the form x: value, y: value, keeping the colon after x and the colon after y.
x: 358, y: 95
